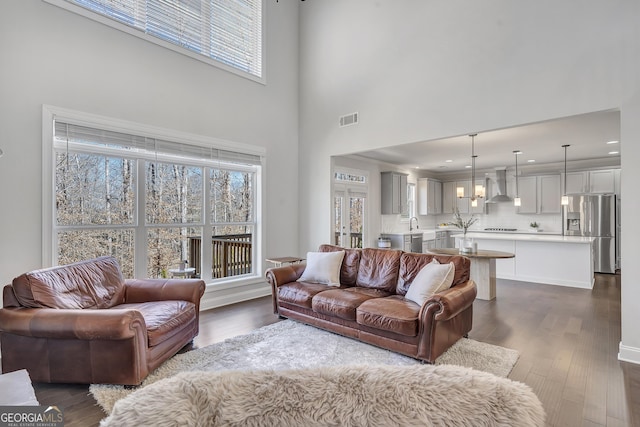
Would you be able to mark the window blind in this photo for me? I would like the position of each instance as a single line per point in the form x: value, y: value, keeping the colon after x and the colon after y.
x: 67, y: 132
x: 228, y: 31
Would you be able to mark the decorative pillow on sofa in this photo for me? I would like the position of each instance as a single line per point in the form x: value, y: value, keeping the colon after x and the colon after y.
x: 431, y: 279
x: 323, y: 267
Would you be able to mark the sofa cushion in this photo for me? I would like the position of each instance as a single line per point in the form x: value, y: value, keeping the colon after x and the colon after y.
x: 350, y: 263
x: 391, y: 314
x: 299, y: 293
x: 412, y: 263
x: 431, y: 279
x: 95, y: 283
x: 343, y: 303
x: 163, y: 319
x: 323, y: 267
x: 379, y: 269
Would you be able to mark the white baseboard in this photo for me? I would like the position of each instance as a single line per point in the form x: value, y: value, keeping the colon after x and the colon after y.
x: 629, y: 354
x: 213, y: 297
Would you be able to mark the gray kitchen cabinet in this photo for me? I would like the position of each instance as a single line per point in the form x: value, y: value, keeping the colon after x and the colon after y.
x: 539, y: 194
x: 393, y: 193
x: 595, y: 181
x: 451, y: 201
x: 602, y: 181
x: 528, y: 192
x: 449, y: 198
x: 576, y: 182
x: 429, y: 197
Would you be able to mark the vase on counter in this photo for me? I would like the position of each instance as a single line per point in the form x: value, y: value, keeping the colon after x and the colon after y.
x: 466, y: 245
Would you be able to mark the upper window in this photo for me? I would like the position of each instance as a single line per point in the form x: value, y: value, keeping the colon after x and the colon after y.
x: 226, y: 31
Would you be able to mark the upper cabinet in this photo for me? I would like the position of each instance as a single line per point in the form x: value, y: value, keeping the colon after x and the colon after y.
x: 393, y: 193
x: 576, y: 182
x: 449, y: 198
x: 539, y: 194
x: 429, y: 197
x: 596, y: 181
x: 451, y: 201
x: 602, y: 181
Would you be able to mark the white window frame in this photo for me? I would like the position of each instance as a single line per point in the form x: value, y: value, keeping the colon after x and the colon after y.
x: 95, y: 16
x: 346, y: 189
x: 49, y: 248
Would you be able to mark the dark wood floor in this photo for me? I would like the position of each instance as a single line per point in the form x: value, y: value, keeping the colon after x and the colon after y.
x: 567, y: 338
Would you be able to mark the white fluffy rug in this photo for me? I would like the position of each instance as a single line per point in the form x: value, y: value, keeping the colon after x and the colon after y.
x: 292, y: 345
x: 334, y: 396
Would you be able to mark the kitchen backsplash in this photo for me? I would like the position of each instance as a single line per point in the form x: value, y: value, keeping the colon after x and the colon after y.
x: 501, y: 215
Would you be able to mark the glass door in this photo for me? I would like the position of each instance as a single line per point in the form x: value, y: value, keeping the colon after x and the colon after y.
x: 349, y: 218
x: 350, y: 207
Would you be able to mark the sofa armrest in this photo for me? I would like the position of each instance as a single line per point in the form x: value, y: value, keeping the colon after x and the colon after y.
x: 144, y: 290
x: 88, y: 324
x: 451, y: 301
x: 280, y: 275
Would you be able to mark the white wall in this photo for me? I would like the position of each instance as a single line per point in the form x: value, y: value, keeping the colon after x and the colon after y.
x: 421, y: 70
x: 53, y: 56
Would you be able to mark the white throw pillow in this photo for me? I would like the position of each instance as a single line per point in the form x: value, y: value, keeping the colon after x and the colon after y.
x: 323, y: 267
x: 431, y: 279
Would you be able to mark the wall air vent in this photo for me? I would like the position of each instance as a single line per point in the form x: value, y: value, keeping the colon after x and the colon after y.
x: 349, y: 119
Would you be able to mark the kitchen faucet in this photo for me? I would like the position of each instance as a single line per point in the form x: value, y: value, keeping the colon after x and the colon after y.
x: 411, y: 219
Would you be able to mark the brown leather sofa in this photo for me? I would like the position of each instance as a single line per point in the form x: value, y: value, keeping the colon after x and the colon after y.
x: 84, y: 323
x: 370, y: 305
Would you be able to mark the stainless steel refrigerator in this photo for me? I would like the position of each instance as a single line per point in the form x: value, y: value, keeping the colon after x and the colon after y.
x: 594, y: 215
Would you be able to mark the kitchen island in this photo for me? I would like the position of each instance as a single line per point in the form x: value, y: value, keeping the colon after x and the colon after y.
x: 549, y: 259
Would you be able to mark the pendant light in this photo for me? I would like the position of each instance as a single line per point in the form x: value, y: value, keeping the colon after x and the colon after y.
x: 565, y: 199
x: 477, y: 191
x: 516, y: 200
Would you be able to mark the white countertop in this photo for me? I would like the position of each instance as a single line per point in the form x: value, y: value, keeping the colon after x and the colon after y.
x: 532, y: 237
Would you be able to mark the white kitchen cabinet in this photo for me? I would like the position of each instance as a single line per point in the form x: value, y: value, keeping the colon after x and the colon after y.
x: 539, y: 194
x: 602, y: 181
x: 429, y: 197
x: 393, y: 193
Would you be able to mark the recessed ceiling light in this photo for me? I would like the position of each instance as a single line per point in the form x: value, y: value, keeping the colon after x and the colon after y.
x: 448, y: 161
x: 531, y: 161
x: 614, y: 152
x: 612, y: 142
x: 467, y: 166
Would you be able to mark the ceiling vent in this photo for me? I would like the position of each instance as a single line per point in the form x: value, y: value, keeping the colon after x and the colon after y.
x: 349, y: 119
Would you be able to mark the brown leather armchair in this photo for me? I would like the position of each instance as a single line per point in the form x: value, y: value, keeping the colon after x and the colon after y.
x: 84, y: 323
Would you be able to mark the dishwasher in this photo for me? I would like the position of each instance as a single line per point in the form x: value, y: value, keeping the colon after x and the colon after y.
x: 415, y: 243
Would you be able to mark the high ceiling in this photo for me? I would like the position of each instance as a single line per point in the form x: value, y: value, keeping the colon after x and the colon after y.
x: 587, y: 134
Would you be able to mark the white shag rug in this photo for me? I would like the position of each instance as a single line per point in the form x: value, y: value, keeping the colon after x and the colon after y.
x: 292, y: 345
x: 382, y: 395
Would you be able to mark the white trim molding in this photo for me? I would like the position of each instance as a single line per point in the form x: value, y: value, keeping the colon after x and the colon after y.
x: 629, y: 354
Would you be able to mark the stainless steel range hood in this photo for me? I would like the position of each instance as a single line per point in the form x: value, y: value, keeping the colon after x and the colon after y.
x: 501, y: 181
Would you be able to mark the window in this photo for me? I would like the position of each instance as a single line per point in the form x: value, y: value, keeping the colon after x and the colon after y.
x: 411, y: 201
x: 229, y: 32
x: 149, y: 201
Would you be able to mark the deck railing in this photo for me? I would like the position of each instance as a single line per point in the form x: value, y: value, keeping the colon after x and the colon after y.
x: 356, y: 240
x: 231, y: 255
